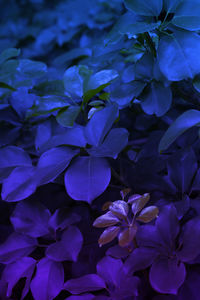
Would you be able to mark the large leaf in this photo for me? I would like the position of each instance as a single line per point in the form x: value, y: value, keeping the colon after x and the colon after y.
x: 144, y: 7
x: 97, y: 82
x: 22, y: 268
x: 48, y: 280
x: 20, y: 184
x: 15, y: 247
x: 53, y: 162
x: 67, y: 116
x: 178, y: 55
x: 191, y: 23
x: 87, y: 178
x: 187, y: 120
x: 32, y: 68
x: 157, y: 100
x: 100, y: 124
x: 114, y: 143
x: 139, y: 27
x: 68, y: 247
x: 170, y: 5
x: 30, y: 218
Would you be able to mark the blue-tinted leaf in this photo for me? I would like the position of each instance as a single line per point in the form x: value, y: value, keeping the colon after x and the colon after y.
x: 9, y: 53
x: 20, y: 184
x: 83, y: 297
x: 32, y: 68
x: 15, y: 247
x: 167, y: 275
x: 12, y: 273
x: 123, y: 94
x: 4, y: 85
x: 48, y: 280
x: 100, y: 124
x: 53, y: 162
x: 170, y: 5
x: 182, y: 166
x: 68, y: 247
x: 74, y: 80
x: 144, y: 7
x: 114, y: 143
x: 86, y: 283
x: 21, y: 101
x: 67, y: 116
x: 30, y: 218
x: 12, y: 156
x: 178, y: 55
x: 98, y: 82
x: 132, y: 29
x: 185, y: 121
x: 186, y: 8
x: 191, y: 23
x: 87, y: 178
x: 144, y: 67
x: 157, y: 100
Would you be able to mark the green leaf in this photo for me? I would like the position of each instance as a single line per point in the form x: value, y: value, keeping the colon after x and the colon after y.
x: 67, y: 116
x: 178, y: 55
x: 191, y: 23
x: 52, y: 87
x: 139, y: 27
x: 144, y: 7
x: 184, y: 122
x: 6, y: 86
x: 9, y: 53
x: 98, y: 82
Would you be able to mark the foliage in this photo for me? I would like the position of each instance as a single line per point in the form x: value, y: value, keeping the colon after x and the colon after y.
x: 99, y: 101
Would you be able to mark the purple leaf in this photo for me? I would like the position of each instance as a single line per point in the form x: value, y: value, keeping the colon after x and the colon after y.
x: 48, y: 280
x: 53, y: 162
x: 108, y: 235
x: 63, y: 218
x: 139, y: 259
x: 190, y: 241
x: 167, y: 225
x: 87, y: 178
x: 21, y: 100
x: 167, y: 275
x: 81, y: 297
x: 12, y: 273
x: 119, y: 208
x: 15, y: 247
x: 19, y: 185
x: 182, y: 166
x: 31, y: 218
x: 106, y: 220
x: 109, y: 269
x: 86, y: 283
x: 68, y: 247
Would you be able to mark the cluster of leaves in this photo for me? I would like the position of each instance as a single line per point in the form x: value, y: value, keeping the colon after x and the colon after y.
x: 96, y: 99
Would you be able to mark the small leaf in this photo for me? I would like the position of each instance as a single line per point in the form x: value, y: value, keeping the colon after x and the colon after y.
x: 106, y: 220
x: 108, y: 235
x: 86, y: 283
x: 138, y: 202
x: 148, y: 214
x: 125, y: 192
x: 140, y: 27
x: 32, y: 68
x: 119, y: 208
x: 9, y: 53
x: 127, y: 235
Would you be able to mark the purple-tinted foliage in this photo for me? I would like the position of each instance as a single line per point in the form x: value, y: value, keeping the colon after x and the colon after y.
x: 165, y: 251
x: 48, y: 280
x: 110, y: 275
x: 68, y: 247
x: 16, y: 246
